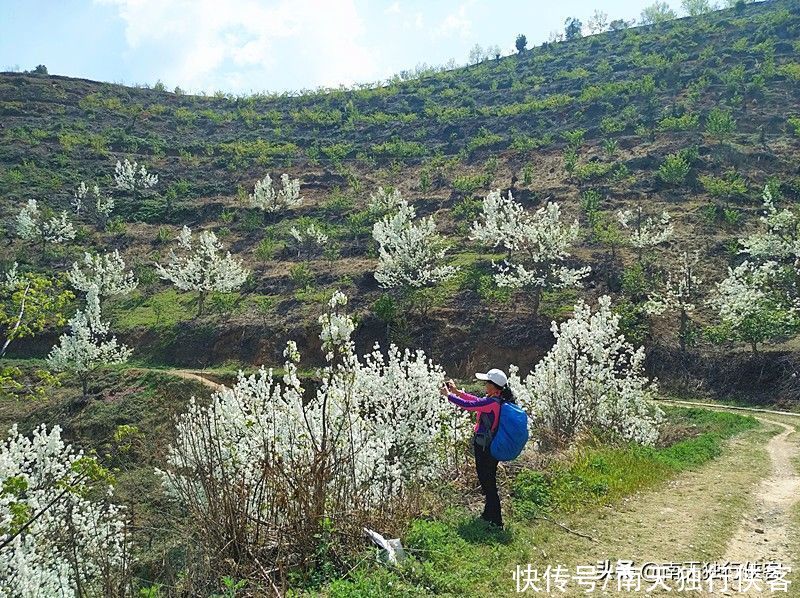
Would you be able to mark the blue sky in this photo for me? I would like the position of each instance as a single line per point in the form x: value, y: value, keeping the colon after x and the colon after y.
x: 243, y: 46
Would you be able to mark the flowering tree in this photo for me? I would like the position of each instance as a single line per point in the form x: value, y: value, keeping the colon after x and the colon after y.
x: 753, y: 305
x: 383, y: 202
x: 645, y: 234
x: 677, y: 296
x: 411, y: 253
x: 87, y: 347
x: 503, y: 220
x: 99, y: 208
x: 269, y: 199
x: 106, y: 273
x: 54, y: 539
x: 202, y: 268
x: 308, y: 240
x: 133, y: 178
x: 283, y: 459
x: 33, y: 226
x: 591, y: 378
x: 779, y: 238
x: 538, y: 245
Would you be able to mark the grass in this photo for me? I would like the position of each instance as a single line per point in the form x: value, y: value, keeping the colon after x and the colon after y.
x: 455, y: 554
x: 161, y: 309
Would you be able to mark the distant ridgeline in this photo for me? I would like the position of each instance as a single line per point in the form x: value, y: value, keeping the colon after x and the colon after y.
x: 658, y: 140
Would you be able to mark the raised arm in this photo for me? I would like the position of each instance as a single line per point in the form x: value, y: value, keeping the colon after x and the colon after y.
x: 469, y: 402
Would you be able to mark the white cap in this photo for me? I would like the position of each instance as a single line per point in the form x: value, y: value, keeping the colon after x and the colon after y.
x: 494, y: 375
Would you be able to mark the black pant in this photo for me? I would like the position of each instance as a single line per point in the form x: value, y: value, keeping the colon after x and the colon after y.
x: 486, y: 466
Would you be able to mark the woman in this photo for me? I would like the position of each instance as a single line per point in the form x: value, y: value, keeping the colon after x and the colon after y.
x: 488, y: 410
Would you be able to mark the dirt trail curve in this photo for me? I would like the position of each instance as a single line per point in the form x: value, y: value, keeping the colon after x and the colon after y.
x: 766, y: 533
x: 190, y: 375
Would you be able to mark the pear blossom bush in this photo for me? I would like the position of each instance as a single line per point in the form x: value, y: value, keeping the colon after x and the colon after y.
x: 383, y: 202
x: 754, y: 305
x: 502, y: 222
x: 133, y: 178
x: 202, y: 267
x: 678, y: 296
x: 55, y: 540
x: 106, y: 273
x: 538, y: 244
x: 308, y: 240
x: 778, y: 240
x: 270, y: 199
x: 591, y: 379
x: 32, y: 225
x: 645, y: 233
x: 282, y: 458
x: 87, y: 347
x: 411, y: 252
x: 96, y: 206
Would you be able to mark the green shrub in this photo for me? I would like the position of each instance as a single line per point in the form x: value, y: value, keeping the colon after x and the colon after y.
x: 720, y: 124
x: 730, y: 186
x: 522, y: 142
x: 317, y: 116
x: 791, y: 71
x: 590, y: 204
x: 184, y: 116
x: 399, y: 149
x: 687, y: 122
x: 483, y: 139
x: 794, y: 123
x: 575, y: 138
x: 674, y: 170
x: 302, y: 276
x: 469, y: 183
x: 592, y: 171
x: 612, y: 125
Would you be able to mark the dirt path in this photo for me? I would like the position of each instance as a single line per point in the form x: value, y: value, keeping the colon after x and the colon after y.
x: 767, y: 532
x: 189, y: 375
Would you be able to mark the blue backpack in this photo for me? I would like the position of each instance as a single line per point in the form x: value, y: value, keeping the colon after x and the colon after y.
x: 511, y: 434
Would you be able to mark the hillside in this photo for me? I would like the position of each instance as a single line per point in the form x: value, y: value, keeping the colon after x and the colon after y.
x: 444, y: 140
x: 168, y: 472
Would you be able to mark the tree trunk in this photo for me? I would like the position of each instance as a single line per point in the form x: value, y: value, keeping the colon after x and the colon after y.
x: 201, y: 299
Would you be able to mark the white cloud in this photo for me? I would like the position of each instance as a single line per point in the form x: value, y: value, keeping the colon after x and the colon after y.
x: 202, y: 44
x: 393, y: 9
x: 455, y: 23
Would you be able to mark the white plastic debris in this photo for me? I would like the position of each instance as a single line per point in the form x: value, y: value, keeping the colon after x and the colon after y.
x: 392, y: 550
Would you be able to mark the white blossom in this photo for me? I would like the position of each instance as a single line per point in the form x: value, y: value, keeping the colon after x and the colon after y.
x: 105, y: 272
x: 747, y: 290
x: 410, y: 253
x: 646, y: 233
x: 132, y: 177
x: 11, y: 279
x: 99, y: 208
x: 383, y: 202
x: 591, y: 378
x: 87, y: 347
x: 308, y: 239
x: 269, y: 199
x: 373, y: 429
x: 69, y: 535
x: 538, y: 244
x: 31, y: 226
x: 679, y: 291
x: 503, y: 222
x: 780, y: 237
x: 202, y: 267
